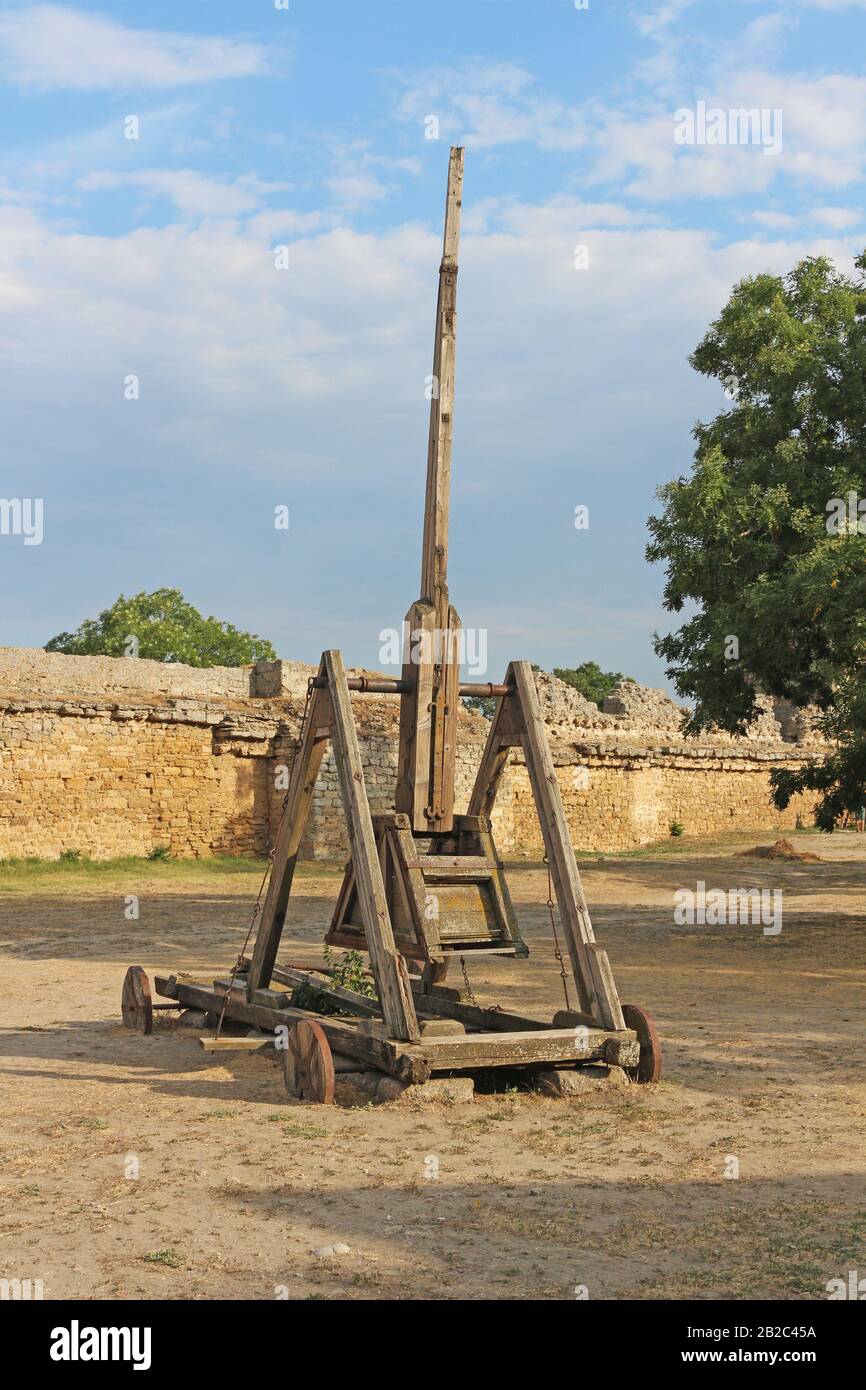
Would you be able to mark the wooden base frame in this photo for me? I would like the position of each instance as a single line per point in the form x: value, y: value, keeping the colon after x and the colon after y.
x: 498, y: 1039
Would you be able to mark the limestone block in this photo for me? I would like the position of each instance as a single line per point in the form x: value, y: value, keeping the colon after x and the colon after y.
x: 582, y: 1081
x: 439, y: 1090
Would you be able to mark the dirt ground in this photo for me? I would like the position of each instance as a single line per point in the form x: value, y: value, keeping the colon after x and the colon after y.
x: 622, y: 1194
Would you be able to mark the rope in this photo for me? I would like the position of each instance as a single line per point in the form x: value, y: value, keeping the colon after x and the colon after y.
x: 556, y: 947
x: 240, y: 960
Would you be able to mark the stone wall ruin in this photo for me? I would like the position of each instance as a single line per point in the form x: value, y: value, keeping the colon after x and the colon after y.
x: 118, y: 756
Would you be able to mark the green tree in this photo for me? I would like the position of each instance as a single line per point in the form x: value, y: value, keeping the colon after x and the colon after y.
x: 165, y: 628
x: 764, y: 541
x: 590, y: 680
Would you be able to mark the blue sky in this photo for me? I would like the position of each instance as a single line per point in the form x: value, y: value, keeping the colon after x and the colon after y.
x: 258, y: 387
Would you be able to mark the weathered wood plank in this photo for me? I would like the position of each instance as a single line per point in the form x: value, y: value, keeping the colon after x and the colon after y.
x: 422, y: 904
x: 503, y: 732
x: 474, y: 1050
x: 500, y: 893
x: 445, y: 868
x: 388, y: 966
x: 342, y: 1035
x: 486, y: 1020
x: 412, y: 796
x: 305, y: 771
x: 594, y: 982
x: 428, y: 712
x: 434, y: 556
x: 446, y: 702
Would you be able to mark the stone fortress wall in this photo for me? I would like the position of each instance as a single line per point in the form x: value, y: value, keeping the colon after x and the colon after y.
x: 117, y: 756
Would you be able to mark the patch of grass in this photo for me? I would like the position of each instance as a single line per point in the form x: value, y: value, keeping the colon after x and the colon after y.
x: 172, y: 1258
x: 306, y: 1131
x: 303, y: 1129
x: 225, y: 1112
x: 32, y: 874
x: 685, y: 847
x: 91, y: 1122
x: 159, y: 853
x: 73, y: 860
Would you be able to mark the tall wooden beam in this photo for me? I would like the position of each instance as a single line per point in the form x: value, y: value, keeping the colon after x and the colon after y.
x: 434, y: 557
x: 428, y: 721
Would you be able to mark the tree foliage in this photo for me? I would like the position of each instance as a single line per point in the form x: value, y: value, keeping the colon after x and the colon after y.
x: 590, y: 680
x: 165, y: 628
x: 775, y: 592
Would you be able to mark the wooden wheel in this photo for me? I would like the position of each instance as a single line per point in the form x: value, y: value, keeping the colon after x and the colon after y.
x: 649, y: 1068
x: 135, y: 1002
x: 308, y: 1064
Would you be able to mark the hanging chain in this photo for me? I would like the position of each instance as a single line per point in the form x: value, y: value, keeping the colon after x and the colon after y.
x: 472, y: 1000
x: 485, y: 1008
x: 305, y: 713
x: 556, y: 948
x: 258, y: 903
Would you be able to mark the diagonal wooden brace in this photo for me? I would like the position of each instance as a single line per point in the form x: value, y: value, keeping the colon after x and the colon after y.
x: 388, y: 966
x: 520, y: 715
x: 305, y: 770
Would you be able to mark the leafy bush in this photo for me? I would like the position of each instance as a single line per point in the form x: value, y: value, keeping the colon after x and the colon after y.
x: 349, y: 973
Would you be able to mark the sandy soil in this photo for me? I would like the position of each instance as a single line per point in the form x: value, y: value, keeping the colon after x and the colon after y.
x: 624, y: 1192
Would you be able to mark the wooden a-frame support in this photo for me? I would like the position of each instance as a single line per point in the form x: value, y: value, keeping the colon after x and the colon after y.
x: 329, y: 716
x: 518, y: 722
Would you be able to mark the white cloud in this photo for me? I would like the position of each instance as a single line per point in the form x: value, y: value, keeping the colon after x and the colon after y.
x: 653, y: 20
x: 775, y: 220
x: 823, y: 140
x: 194, y: 194
x: 50, y: 46
x: 485, y: 104
x: 353, y: 191
x: 223, y: 340
x: 823, y: 123
x: 837, y: 218
x: 354, y: 182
